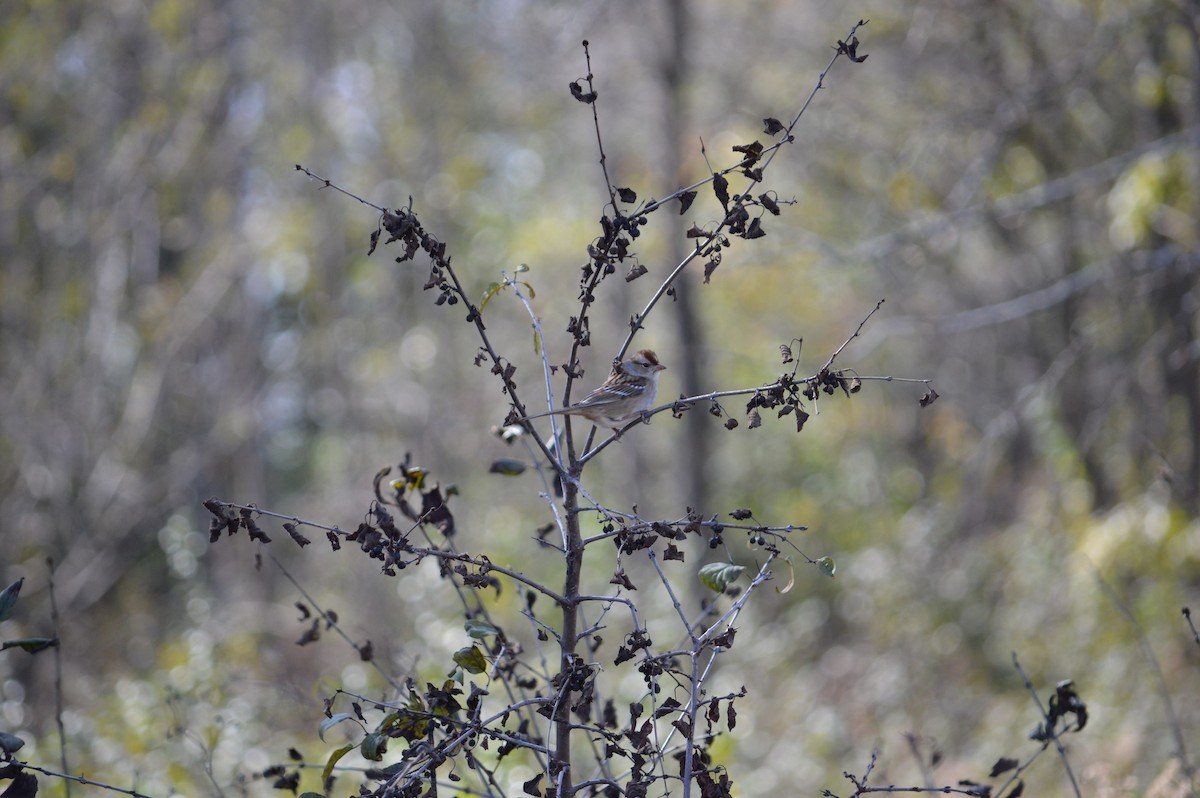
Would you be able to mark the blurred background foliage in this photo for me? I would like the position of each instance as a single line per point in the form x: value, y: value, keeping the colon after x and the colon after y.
x: 183, y: 315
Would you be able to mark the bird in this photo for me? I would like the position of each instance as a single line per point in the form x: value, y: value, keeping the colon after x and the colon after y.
x: 628, y: 392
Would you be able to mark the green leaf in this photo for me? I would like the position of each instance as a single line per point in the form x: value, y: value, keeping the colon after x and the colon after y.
x: 827, y: 566
x: 508, y: 466
x: 717, y: 576
x: 330, y: 722
x: 373, y: 746
x: 10, y: 743
x: 489, y: 292
x: 8, y: 597
x: 479, y: 629
x: 31, y: 644
x: 470, y: 659
x: 529, y: 288
x: 333, y: 759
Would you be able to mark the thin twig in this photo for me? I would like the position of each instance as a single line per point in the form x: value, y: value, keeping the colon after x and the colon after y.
x: 784, y: 137
x: 422, y: 762
x: 666, y: 583
x: 474, y: 316
x: 684, y: 402
x: 1164, y: 691
x: 689, y: 743
x: 764, y: 573
x: 330, y: 184
x: 914, y: 747
x: 854, y: 335
x: 1187, y: 615
x: 325, y: 616
x: 587, y: 54
x: 79, y: 779
x: 1062, y: 753
x: 516, y: 576
x: 637, y: 625
x: 537, y: 327
x: 646, y: 526
x: 938, y: 790
x: 58, y: 687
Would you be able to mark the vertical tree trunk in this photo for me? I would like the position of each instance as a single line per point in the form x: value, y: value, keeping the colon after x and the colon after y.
x: 694, y: 451
x: 560, y: 766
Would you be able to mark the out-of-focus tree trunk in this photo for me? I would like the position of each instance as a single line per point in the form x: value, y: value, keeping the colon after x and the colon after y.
x: 693, y: 454
x: 1174, y: 299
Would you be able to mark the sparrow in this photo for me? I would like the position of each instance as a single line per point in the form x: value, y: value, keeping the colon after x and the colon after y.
x: 628, y: 392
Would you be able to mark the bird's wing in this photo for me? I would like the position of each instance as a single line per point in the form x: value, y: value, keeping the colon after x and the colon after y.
x: 609, y: 394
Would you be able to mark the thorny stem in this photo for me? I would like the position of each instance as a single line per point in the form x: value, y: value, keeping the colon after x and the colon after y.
x: 647, y: 525
x: 940, y: 790
x: 335, y: 187
x: 78, y: 779
x: 854, y: 335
